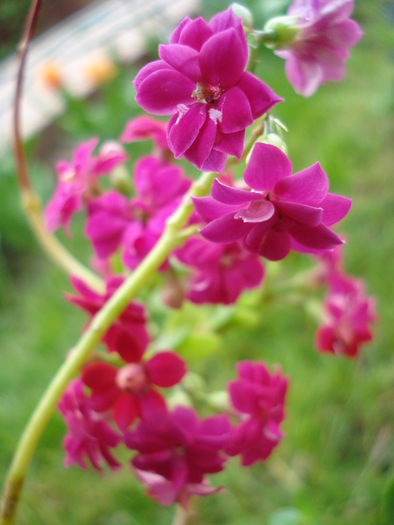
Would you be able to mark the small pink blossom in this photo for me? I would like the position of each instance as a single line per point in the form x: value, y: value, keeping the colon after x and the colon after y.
x: 259, y: 399
x: 128, y: 333
x: 219, y: 272
x: 77, y: 181
x: 318, y: 52
x: 281, y: 212
x: 201, y: 81
x: 129, y: 391
x: 89, y: 435
x: 146, y: 128
x: 173, y: 459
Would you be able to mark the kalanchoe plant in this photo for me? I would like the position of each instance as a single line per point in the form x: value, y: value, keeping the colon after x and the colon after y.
x: 126, y: 393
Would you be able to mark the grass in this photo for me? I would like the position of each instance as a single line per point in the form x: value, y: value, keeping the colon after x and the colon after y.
x: 334, y: 464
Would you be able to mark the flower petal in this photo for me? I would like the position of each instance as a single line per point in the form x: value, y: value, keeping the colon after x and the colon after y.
x: 195, y: 34
x: 236, y: 111
x: 259, y: 211
x: 99, y: 376
x: 165, y: 369
x: 276, y: 245
x: 267, y: 165
x: 184, y: 127
x: 230, y: 143
x: 199, y: 151
x: 261, y: 97
x: 335, y: 208
x: 234, y: 196
x: 319, y: 238
x: 208, y: 209
x: 302, y: 213
x: 153, y: 408
x: 216, y: 162
x: 225, y: 229
x: 308, y: 186
x: 126, y: 409
x: 182, y: 58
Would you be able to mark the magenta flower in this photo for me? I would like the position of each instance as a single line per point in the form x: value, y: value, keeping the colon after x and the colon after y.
x: 282, y: 212
x: 89, y: 436
x: 146, y: 128
x: 259, y: 398
x: 77, y: 181
x: 219, y: 272
x: 128, y: 333
x: 129, y: 391
x: 201, y: 81
x: 174, y: 458
x: 319, y: 50
x: 349, y: 312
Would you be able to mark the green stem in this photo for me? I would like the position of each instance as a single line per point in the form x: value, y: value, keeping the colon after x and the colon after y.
x: 81, y: 352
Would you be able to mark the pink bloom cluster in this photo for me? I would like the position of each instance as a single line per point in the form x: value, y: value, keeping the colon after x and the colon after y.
x: 201, y: 81
x: 318, y: 52
x: 77, y: 180
x: 281, y: 212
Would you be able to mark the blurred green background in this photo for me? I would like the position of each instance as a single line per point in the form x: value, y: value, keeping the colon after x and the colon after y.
x: 335, y: 463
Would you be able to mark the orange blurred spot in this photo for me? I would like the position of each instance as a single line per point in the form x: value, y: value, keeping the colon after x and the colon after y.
x: 100, y: 70
x: 51, y: 75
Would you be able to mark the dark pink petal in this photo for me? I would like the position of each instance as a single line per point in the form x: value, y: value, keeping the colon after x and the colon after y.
x: 267, y: 165
x: 335, y: 208
x: 215, y: 162
x: 99, y: 376
x: 82, y: 288
x: 126, y: 409
x: 309, y: 186
x: 105, y: 231
x: 226, y: 20
x: 276, y: 245
x: 302, y: 213
x: 144, y: 128
x: 184, y: 128
x: 230, y: 143
x: 324, y: 339
x: 222, y: 59
x: 103, y: 400
x: 165, y: 369
x: 195, y: 34
x: 236, y: 112
x: 182, y: 58
x: 129, y: 346
x: 176, y: 34
x: 81, y: 157
x: 258, y: 211
x: 225, y: 229
x: 153, y: 408
x: 319, y: 238
x: 233, y: 196
x: 208, y: 209
x: 147, y: 70
x: 199, y: 151
x: 257, y: 233
x: 161, y: 92
x: 242, y: 396
x: 261, y: 98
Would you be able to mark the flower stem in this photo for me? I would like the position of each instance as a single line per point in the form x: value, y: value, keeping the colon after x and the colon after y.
x: 81, y: 352
x: 30, y: 202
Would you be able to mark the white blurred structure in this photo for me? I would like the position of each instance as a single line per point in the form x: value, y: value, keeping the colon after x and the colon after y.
x: 78, y: 51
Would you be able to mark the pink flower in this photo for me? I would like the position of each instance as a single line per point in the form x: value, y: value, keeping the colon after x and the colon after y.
x: 201, y: 81
x: 259, y: 398
x: 349, y: 312
x: 145, y: 128
x: 219, y: 272
x: 319, y: 50
x: 77, y: 181
x: 129, y: 391
x: 282, y: 212
x: 174, y: 458
x: 89, y: 436
x: 128, y: 333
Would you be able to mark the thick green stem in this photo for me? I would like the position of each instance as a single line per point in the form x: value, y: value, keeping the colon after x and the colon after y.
x: 81, y: 352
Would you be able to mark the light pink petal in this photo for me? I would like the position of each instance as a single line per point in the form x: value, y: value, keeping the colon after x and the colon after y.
x: 233, y: 196
x: 82, y: 154
x: 302, y: 213
x: 304, y: 75
x: 195, y: 34
x: 309, y: 186
x: 182, y: 58
x: 236, y: 112
x: 259, y: 211
x: 215, y: 162
x: 208, y: 209
x: 225, y: 229
x: 261, y: 97
x: 153, y: 408
x: 267, y: 165
x: 222, y: 59
x: 343, y: 35
x: 319, y: 238
x: 230, y: 143
x: 184, y: 128
x: 165, y: 369
x: 161, y: 92
x: 199, y: 151
x: 126, y: 409
x: 335, y: 207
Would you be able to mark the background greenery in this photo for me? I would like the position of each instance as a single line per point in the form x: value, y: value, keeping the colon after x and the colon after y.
x: 335, y: 463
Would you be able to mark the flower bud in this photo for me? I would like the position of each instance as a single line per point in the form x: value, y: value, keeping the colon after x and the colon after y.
x: 244, y: 13
x: 219, y: 401
x: 120, y: 180
x: 193, y: 383
x: 178, y: 397
x: 285, y: 28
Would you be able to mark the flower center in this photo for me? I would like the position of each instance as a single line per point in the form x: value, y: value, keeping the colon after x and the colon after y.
x: 206, y: 93
x: 132, y: 378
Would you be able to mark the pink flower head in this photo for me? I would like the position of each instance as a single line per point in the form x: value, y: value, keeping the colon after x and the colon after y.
x: 282, y: 211
x: 201, y: 81
x: 259, y: 398
x: 89, y: 436
x: 136, y: 224
x: 146, y: 128
x: 349, y: 312
x: 128, y: 333
x: 318, y: 52
x: 77, y: 181
x: 130, y: 391
x: 219, y: 272
x: 174, y: 458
